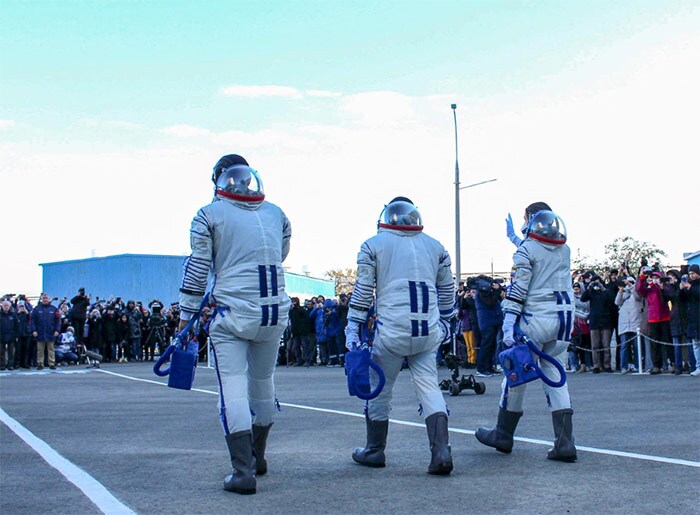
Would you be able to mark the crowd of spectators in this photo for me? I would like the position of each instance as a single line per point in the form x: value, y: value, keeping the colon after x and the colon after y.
x: 58, y: 332
x: 315, y: 334
x: 611, y: 311
x: 62, y: 331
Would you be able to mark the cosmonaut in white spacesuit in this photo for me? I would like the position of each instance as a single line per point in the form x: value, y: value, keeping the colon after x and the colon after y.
x: 540, y: 301
x: 238, y: 244
x: 407, y: 274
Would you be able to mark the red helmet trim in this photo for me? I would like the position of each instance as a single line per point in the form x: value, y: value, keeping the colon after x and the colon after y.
x: 544, y: 239
x: 243, y: 198
x: 402, y: 227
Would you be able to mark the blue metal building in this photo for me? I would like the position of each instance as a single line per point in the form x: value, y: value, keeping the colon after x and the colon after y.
x: 692, y: 258
x: 144, y: 277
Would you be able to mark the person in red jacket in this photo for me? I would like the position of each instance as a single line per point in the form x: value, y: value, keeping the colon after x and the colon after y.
x: 658, y: 314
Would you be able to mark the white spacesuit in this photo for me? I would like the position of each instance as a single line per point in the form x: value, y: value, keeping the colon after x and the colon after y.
x: 238, y: 244
x: 407, y: 274
x: 540, y: 301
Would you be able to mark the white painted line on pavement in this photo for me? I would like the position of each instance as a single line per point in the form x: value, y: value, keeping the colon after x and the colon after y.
x: 93, y: 489
x: 594, y: 450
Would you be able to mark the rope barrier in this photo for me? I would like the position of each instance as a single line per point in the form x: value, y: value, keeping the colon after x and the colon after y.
x: 613, y: 344
x: 612, y: 348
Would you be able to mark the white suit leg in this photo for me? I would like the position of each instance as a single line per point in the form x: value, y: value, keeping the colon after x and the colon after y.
x: 231, y: 372
x: 262, y: 357
x: 425, y: 382
x: 557, y: 398
x: 513, y: 401
x: 378, y: 408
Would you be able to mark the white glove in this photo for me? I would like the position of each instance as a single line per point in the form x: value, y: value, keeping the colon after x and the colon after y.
x: 352, y: 335
x: 508, y: 325
x: 510, y: 232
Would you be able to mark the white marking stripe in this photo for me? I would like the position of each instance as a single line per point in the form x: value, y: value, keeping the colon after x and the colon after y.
x: 594, y: 450
x: 93, y: 489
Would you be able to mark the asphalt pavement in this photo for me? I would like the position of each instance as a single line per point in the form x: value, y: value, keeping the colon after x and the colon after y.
x: 116, y: 440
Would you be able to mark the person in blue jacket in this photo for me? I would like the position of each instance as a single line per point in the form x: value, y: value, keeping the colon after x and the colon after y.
x: 318, y: 319
x: 334, y: 329
x: 490, y: 317
x: 46, y: 324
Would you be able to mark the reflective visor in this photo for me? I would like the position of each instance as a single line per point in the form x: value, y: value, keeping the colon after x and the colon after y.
x: 402, y: 216
x: 240, y: 182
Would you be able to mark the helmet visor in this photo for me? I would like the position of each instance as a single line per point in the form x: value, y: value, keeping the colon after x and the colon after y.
x: 401, y: 215
x: 547, y: 227
x: 240, y: 182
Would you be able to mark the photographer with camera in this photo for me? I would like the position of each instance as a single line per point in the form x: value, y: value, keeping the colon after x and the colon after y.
x: 156, y: 331
x: 172, y: 321
x: 631, y: 311
x: 490, y: 317
x: 679, y: 313
x: 690, y: 293
x: 78, y: 313
x: 318, y: 318
x: 110, y: 333
x: 93, y: 338
x: 612, y: 281
x: 135, y: 317
x: 601, y: 322
x: 333, y: 328
x: 302, y: 331
x: 649, y: 286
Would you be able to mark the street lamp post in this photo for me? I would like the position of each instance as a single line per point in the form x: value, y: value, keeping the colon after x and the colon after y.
x: 458, y: 253
x: 458, y: 250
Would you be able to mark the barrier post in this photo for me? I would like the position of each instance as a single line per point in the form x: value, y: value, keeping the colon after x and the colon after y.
x: 613, y: 349
x: 640, y: 370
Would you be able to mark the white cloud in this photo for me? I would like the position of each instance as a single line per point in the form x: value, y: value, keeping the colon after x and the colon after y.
x: 115, y: 124
x: 185, y: 131
x: 6, y: 124
x: 261, y: 91
x: 379, y: 108
x: 276, y: 91
x: 322, y: 93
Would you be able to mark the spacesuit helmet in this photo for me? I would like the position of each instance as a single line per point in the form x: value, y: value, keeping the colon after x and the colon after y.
x: 240, y: 182
x: 547, y: 227
x: 400, y: 214
x: 224, y: 162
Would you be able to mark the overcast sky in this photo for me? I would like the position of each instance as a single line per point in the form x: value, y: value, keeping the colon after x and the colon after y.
x: 113, y: 114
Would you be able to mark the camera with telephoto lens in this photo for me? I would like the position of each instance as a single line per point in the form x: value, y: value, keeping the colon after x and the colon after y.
x: 156, y: 306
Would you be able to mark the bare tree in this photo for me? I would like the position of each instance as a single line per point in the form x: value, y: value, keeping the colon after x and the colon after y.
x: 344, y: 279
x: 623, y: 250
